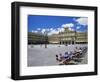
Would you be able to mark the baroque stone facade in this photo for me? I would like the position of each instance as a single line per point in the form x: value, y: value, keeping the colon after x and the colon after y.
x: 69, y: 37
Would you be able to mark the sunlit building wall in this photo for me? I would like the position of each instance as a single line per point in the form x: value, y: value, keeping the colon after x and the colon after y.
x: 68, y: 37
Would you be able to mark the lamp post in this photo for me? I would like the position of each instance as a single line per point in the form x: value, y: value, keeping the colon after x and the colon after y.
x: 46, y: 38
x: 75, y: 34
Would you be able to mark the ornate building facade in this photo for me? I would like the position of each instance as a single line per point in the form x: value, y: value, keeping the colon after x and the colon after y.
x: 68, y: 37
x: 36, y: 38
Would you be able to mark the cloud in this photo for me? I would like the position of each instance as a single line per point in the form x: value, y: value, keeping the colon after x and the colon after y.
x: 78, y: 27
x: 43, y: 30
x: 82, y: 21
x: 38, y: 28
x: 53, y: 31
x: 60, y: 29
x: 71, y: 29
x: 68, y: 25
x: 34, y: 31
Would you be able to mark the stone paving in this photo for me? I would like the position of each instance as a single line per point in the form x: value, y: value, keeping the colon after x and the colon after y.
x: 38, y: 55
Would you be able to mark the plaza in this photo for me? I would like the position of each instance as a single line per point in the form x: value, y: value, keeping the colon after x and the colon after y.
x: 58, y: 43
x: 38, y: 55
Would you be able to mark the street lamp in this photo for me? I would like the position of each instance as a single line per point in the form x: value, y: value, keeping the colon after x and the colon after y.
x: 46, y: 37
x: 76, y: 29
x: 75, y: 36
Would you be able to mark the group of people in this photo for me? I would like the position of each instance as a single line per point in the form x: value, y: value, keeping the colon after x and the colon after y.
x: 68, y: 56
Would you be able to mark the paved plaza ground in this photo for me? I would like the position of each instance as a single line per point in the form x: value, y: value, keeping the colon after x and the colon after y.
x: 40, y: 56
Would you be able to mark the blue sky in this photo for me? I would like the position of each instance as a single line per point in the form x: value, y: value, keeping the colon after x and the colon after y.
x: 54, y: 24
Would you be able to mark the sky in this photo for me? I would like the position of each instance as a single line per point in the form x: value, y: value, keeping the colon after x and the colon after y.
x: 56, y: 24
